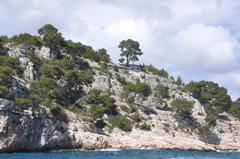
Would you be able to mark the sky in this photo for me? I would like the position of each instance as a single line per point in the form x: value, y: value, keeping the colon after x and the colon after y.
x: 196, y: 39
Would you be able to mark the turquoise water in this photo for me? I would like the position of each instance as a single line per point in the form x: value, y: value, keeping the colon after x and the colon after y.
x: 124, y: 154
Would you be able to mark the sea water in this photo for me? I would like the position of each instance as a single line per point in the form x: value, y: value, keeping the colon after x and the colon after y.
x: 123, y: 154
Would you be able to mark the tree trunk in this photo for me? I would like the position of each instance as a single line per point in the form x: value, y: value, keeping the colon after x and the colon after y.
x: 127, y: 64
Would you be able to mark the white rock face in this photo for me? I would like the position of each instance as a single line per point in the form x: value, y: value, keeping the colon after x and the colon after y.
x: 101, y: 82
x: 29, y: 72
x: 44, y: 52
x: 24, y: 132
x: 15, y: 52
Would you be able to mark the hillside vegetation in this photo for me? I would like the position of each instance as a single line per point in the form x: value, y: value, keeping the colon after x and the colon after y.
x: 48, y: 72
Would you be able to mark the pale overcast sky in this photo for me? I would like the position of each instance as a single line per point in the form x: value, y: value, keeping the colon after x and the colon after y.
x: 197, y: 39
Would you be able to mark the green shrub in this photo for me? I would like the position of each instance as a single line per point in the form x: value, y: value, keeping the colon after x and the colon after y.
x: 204, y: 131
x: 65, y: 64
x: 109, y: 103
x: 22, y: 103
x: 104, y: 68
x: 161, y: 92
x: 144, y: 126
x: 3, y: 90
x: 211, y: 120
x: 96, y: 111
x: 155, y: 71
x: 26, y: 40
x: 133, y: 109
x: 213, y: 97
x: 115, y: 68
x: 179, y: 81
x: 10, y: 62
x: 90, y: 54
x: 81, y: 64
x: 50, y: 70
x: 43, y: 91
x: 121, y: 122
x: 5, y: 71
x: 182, y: 107
x: 139, y: 88
x: 71, y: 91
x: 59, y: 113
x: 235, y: 109
x: 77, y: 109
x: 97, y: 56
x: 4, y: 39
x: 66, y: 69
x: 121, y: 79
x: 86, y: 77
x: 136, y: 117
x: 8, y: 67
x: 75, y: 48
x: 3, y: 50
x: 103, y: 55
x: 94, y: 97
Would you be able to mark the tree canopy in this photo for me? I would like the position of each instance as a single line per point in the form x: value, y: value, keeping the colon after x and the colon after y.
x: 182, y: 107
x: 75, y: 48
x: 52, y: 38
x: 214, y: 98
x: 235, y: 109
x: 161, y: 92
x: 27, y: 40
x: 130, y: 51
x: 8, y: 67
x: 3, y: 50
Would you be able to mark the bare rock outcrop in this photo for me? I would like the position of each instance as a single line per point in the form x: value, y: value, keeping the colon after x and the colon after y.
x: 23, y: 132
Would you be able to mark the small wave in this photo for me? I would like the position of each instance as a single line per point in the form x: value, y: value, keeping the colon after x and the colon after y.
x: 226, y: 151
x: 148, y: 148
x: 110, y: 150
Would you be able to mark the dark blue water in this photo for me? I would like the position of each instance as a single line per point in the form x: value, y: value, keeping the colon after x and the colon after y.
x: 124, y: 154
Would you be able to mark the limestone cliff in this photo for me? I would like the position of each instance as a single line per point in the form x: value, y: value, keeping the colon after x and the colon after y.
x: 36, y: 129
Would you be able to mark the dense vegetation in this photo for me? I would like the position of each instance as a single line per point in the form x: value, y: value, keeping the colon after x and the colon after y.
x: 156, y: 71
x: 60, y: 82
x: 161, y: 92
x: 182, y: 107
x: 100, y: 103
x: 121, y: 122
x: 235, y: 109
x: 213, y: 97
x: 138, y: 88
x: 8, y: 68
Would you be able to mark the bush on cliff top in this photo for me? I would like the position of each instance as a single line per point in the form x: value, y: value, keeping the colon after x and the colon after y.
x: 156, y: 71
